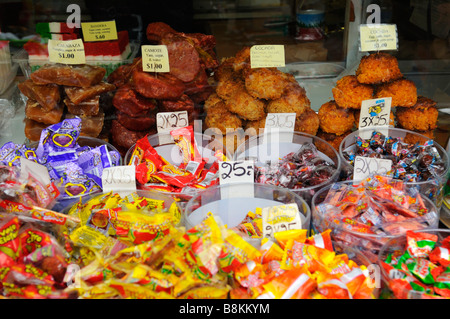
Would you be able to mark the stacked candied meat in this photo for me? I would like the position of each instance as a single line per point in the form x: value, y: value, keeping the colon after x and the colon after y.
x: 141, y: 95
x: 59, y: 91
x: 244, y: 96
x: 377, y: 76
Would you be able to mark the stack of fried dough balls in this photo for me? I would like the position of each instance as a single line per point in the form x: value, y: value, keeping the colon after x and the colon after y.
x: 244, y: 96
x: 377, y: 76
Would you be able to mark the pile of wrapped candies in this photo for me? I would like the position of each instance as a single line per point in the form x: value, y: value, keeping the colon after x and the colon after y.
x: 296, y: 170
x: 294, y: 266
x: 378, y: 207
x: 153, y: 172
x: 410, y: 162
x: 421, y: 268
x: 74, y: 169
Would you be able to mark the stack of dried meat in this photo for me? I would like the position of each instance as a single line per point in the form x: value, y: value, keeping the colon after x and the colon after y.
x: 141, y: 95
x: 52, y: 87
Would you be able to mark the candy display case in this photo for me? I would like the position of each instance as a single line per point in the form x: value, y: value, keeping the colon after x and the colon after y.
x: 431, y: 185
x: 428, y: 250
x: 349, y: 228
x: 315, y: 163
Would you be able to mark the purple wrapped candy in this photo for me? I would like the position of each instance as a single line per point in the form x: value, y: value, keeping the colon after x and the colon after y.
x: 94, y: 161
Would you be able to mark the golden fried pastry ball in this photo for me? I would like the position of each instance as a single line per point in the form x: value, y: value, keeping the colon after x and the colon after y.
x: 220, y: 118
x: 358, y: 114
x: 402, y: 91
x: 212, y: 99
x: 245, y: 105
x: 224, y: 70
x: 411, y: 138
x: 308, y: 122
x: 293, y: 100
x: 265, y: 83
x: 332, y: 139
x: 256, y: 127
x: 349, y: 93
x: 378, y: 68
x: 242, y: 60
x: 227, y: 87
x: 335, y: 119
x: 421, y: 117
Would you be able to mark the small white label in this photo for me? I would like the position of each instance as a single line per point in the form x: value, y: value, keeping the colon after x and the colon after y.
x: 282, y: 124
x: 169, y: 121
x: 40, y: 172
x: 119, y: 179
x: 155, y: 58
x: 374, y: 114
x: 366, y: 166
x: 267, y: 56
x: 280, y: 218
x: 237, y: 172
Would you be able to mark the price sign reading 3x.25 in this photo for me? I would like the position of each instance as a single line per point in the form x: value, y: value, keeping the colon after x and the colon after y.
x: 374, y: 114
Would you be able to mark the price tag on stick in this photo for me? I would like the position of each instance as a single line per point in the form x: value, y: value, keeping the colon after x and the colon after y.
x: 237, y: 172
x: 378, y: 37
x: 155, y: 58
x: 366, y: 166
x: 168, y: 121
x: 374, y: 114
x: 66, y: 52
x: 99, y: 31
x: 280, y: 218
x: 119, y: 179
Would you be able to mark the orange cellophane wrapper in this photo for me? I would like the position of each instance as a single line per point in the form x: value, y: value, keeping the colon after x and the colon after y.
x: 185, y: 139
x: 297, y: 254
x: 270, y: 250
x: 292, y: 284
x: 283, y: 237
x: 321, y: 240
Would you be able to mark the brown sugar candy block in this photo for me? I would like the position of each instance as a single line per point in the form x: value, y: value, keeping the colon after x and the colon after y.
x: 90, y: 125
x: 34, y: 111
x: 48, y: 96
x: 77, y: 75
x: 80, y: 94
x: 89, y: 107
x: 33, y: 129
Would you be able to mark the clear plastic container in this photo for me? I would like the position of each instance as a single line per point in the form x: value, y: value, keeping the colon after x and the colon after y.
x: 432, y: 188
x: 397, y: 245
x: 166, y: 147
x: 369, y: 244
x: 233, y: 210
x: 263, y: 148
x: 8, y: 69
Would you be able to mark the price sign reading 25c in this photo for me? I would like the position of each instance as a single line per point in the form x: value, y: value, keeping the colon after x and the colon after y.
x: 155, y: 58
x: 241, y: 171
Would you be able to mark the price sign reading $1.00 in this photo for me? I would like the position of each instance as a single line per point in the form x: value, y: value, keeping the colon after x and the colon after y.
x: 119, y: 179
x: 66, y: 52
x: 99, y: 31
x: 374, y: 114
x: 365, y: 166
x: 155, y: 58
x: 282, y: 124
x: 280, y: 218
x: 237, y: 172
x: 168, y: 121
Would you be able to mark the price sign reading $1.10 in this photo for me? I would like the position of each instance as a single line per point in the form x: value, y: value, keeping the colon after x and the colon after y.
x: 155, y: 58
x: 119, y: 179
x: 374, y: 114
x: 363, y: 167
x: 66, y: 52
x: 168, y: 121
x: 237, y: 172
x: 280, y: 218
x: 99, y: 31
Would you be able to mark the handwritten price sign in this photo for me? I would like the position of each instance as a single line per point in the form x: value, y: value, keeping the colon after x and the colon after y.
x: 155, y: 58
x: 374, y: 114
x: 366, y: 166
x: 66, y: 52
x: 120, y: 179
x: 168, y: 121
x: 280, y: 124
x: 237, y: 172
x: 280, y: 218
